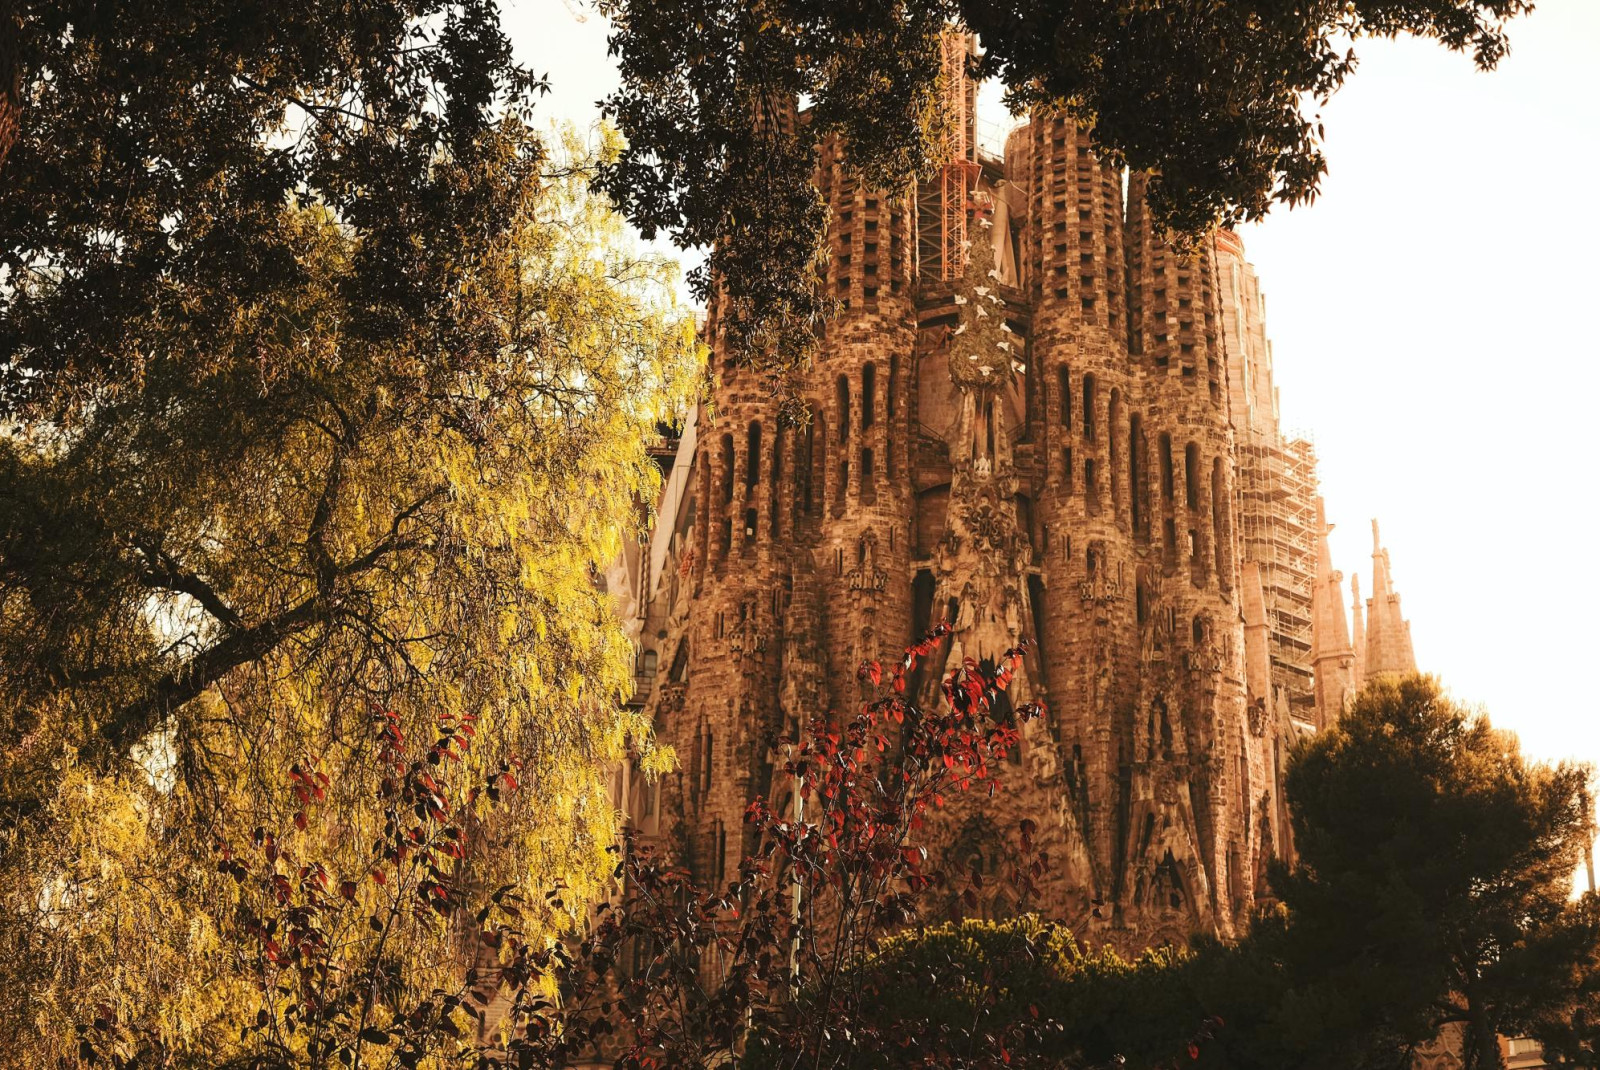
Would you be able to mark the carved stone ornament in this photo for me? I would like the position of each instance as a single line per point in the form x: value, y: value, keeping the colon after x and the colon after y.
x: 747, y: 638
x: 1257, y: 713
x: 1101, y: 590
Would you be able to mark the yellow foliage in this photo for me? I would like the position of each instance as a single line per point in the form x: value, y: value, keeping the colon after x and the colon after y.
x: 416, y: 530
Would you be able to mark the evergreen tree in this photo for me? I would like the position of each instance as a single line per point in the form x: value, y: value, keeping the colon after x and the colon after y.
x: 1434, y: 881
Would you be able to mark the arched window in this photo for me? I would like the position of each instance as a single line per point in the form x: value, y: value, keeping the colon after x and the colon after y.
x: 842, y: 390
x: 869, y: 393
x: 810, y: 465
x: 1166, y: 468
x: 1114, y: 461
x: 777, y: 479
x: 1136, y: 478
x: 1222, y: 533
x: 1191, y: 476
x: 752, y: 455
x: 1064, y: 395
x: 727, y: 468
x: 1088, y: 407
x: 708, y: 755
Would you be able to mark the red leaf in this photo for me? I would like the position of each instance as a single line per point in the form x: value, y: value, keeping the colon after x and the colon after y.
x: 300, y: 819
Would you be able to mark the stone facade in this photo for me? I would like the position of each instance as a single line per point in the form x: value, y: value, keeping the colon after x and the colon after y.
x: 1069, y: 436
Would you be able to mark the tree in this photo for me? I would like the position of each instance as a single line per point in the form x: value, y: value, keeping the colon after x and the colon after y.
x: 772, y: 970
x: 142, y: 201
x: 210, y: 576
x: 1434, y: 877
x: 1210, y: 99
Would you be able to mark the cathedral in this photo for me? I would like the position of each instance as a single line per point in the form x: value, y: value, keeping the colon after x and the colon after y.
x: 1033, y: 418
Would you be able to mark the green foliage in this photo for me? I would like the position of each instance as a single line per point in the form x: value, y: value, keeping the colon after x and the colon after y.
x: 963, y: 980
x: 967, y: 988
x: 1214, y: 100
x: 1435, y: 869
x: 1433, y: 887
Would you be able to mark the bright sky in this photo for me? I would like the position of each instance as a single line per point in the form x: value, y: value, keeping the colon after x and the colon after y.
x: 1432, y: 324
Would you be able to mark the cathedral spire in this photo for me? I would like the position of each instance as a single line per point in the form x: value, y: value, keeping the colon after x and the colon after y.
x: 1358, y: 632
x: 1388, y: 632
x: 1333, y: 659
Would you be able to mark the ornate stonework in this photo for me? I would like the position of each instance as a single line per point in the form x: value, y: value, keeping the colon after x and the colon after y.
x: 1041, y: 445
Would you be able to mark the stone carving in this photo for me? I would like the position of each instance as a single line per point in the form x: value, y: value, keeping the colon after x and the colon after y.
x: 867, y: 576
x: 980, y: 401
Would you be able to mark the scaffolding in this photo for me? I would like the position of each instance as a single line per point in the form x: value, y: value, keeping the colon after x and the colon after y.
x: 1277, y: 485
x: 943, y: 204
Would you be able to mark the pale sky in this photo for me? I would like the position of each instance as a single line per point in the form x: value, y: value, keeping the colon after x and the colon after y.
x: 1432, y: 325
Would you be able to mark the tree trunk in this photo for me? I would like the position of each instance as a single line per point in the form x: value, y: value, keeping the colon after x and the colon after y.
x: 1480, y: 1040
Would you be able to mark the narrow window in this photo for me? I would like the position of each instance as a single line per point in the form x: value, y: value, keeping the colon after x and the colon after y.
x: 1166, y: 467
x: 842, y: 389
x: 727, y: 468
x: 1136, y: 492
x: 869, y: 391
x: 1088, y: 407
x: 1114, y: 461
x: 752, y: 456
x: 707, y: 761
x: 1222, y: 535
x: 1191, y: 476
x: 1091, y: 487
x: 810, y: 464
x: 777, y: 480
x: 1064, y: 395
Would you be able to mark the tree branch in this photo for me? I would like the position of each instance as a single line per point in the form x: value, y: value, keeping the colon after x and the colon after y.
x: 138, y: 719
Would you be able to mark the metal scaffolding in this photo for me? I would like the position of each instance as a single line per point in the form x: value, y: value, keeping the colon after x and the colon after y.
x: 943, y: 204
x: 1277, y: 528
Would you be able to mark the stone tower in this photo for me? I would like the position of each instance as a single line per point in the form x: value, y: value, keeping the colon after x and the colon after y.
x: 1388, y: 634
x: 1333, y: 657
x: 1025, y: 419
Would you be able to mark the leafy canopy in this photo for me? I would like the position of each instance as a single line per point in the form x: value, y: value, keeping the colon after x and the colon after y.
x: 326, y: 385
x: 1214, y: 100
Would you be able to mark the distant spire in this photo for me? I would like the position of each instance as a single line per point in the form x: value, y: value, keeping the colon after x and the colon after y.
x: 1358, y: 631
x: 1333, y: 659
x: 1388, y: 632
